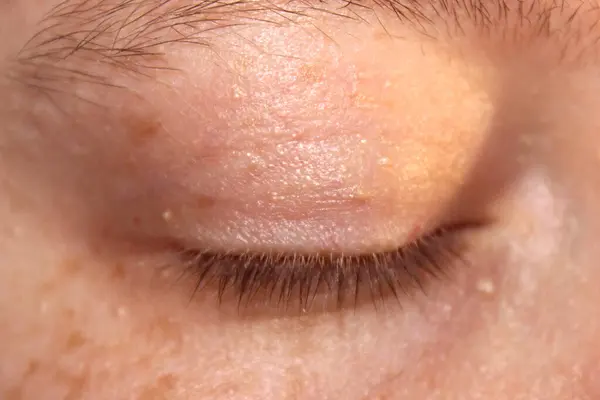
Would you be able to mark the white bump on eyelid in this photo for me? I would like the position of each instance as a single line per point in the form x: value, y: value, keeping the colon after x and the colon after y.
x: 383, y: 161
x: 238, y: 92
x: 167, y: 215
x: 165, y: 273
x: 121, y: 312
x: 277, y: 196
x: 486, y: 286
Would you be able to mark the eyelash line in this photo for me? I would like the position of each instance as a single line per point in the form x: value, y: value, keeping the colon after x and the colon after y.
x: 282, y: 276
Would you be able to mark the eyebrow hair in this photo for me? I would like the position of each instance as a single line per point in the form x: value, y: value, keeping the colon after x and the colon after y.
x: 134, y: 36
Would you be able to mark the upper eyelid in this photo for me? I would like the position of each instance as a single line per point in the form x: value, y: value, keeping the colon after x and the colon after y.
x: 394, y: 271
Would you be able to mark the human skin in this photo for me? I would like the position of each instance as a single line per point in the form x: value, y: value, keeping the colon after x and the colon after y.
x: 299, y: 128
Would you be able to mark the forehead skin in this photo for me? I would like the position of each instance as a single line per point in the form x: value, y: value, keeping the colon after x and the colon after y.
x: 117, y: 130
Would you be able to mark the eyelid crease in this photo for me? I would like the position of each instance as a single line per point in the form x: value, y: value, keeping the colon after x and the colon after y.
x: 323, y: 280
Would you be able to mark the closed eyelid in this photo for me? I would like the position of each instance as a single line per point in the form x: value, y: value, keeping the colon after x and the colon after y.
x: 404, y: 165
x: 131, y: 36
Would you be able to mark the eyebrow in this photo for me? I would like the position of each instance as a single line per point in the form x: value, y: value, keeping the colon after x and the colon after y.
x: 135, y: 36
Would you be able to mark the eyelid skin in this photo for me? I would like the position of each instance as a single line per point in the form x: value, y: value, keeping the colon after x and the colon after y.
x: 323, y: 153
x: 261, y: 122
x: 293, y: 137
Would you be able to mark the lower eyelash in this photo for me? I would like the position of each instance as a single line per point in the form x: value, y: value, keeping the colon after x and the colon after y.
x: 278, y: 279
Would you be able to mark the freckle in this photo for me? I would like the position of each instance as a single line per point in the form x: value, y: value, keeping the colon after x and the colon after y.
x: 205, y: 201
x: 380, y: 397
x: 77, y: 384
x: 142, y: 129
x: 68, y: 313
x: 75, y: 341
x: 486, y: 286
x: 295, y: 386
x: 71, y: 266
x: 160, y: 389
x: 118, y: 271
x: 143, y: 362
x: 14, y: 393
x: 169, y: 333
x: 48, y: 286
x: 166, y: 382
x: 311, y: 73
x: 136, y: 221
x: 252, y: 168
x: 32, y: 367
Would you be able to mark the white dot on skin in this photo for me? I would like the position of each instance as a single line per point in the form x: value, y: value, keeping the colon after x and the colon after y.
x: 383, y: 161
x: 238, y: 92
x: 167, y: 215
x: 121, y: 312
x: 165, y: 273
x: 486, y: 286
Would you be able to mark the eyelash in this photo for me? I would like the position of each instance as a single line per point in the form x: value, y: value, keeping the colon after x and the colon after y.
x: 266, y: 279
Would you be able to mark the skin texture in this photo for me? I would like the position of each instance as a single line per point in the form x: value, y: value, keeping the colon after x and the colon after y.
x: 298, y: 128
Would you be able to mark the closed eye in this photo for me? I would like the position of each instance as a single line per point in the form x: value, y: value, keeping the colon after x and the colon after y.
x: 326, y: 281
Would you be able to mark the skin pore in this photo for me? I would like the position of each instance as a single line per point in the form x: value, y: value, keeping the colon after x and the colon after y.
x: 130, y: 130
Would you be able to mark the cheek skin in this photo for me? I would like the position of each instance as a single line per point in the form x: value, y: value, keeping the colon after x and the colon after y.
x: 112, y: 329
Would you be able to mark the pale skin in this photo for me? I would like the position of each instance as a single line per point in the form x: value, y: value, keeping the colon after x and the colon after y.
x: 298, y: 128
